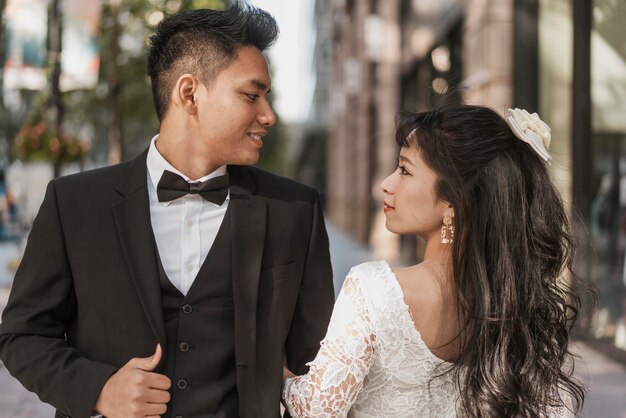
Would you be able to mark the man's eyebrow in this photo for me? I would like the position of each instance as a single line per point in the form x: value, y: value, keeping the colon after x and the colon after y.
x: 260, y: 85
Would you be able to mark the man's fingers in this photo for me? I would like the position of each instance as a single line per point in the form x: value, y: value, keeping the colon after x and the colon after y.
x: 158, y: 381
x: 136, y: 389
x: 155, y: 396
x: 155, y: 359
x: 148, y: 364
x: 154, y: 409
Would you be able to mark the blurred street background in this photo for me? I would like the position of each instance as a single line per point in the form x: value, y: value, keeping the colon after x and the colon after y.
x: 75, y: 96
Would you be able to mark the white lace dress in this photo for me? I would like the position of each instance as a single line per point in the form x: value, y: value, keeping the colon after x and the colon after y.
x: 373, y: 361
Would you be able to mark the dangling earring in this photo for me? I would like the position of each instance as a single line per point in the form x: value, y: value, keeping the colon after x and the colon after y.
x: 447, y: 230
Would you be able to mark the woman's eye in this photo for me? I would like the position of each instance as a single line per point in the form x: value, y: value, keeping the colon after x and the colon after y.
x: 403, y: 171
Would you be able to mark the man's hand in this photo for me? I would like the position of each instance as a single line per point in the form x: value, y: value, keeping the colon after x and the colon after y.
x: 135, y: 391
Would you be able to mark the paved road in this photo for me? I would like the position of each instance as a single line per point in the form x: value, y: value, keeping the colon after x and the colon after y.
x: 605, y: 377
x: 606, y: 380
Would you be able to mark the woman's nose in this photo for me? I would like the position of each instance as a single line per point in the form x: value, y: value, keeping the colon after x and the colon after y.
x: 385, y: 185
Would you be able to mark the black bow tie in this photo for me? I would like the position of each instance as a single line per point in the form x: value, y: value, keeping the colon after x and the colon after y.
x: 172, y: 186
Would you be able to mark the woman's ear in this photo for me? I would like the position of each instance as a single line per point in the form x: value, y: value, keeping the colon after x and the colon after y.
x: 449, y: 211
x: 184, y: 94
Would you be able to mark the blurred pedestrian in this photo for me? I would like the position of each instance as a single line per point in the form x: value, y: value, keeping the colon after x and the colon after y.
x: 224, y: 268
x: 479, y: 328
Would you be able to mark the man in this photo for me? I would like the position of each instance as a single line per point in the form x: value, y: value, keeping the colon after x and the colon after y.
x: 183, y: 279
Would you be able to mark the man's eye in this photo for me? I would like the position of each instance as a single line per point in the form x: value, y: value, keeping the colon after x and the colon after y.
x: 252, y: 97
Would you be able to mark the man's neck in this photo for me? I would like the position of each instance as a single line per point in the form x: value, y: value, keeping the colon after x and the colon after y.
x: 191, y: 160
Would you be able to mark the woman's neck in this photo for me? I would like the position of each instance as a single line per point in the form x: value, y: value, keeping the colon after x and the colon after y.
x: 438, y: 259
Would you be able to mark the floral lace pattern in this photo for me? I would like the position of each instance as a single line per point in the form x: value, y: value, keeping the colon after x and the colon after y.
x: 373, y: 361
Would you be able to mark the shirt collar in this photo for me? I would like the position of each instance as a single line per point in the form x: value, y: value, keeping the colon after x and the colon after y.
x: 157, y: 164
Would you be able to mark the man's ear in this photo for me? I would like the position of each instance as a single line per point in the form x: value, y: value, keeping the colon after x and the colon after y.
x: 184, y: 94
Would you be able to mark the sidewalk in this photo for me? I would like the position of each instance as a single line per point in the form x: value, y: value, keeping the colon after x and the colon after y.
x: 605, y: 378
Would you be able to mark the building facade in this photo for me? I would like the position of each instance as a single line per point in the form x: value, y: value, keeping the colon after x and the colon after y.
x: 565, y: 59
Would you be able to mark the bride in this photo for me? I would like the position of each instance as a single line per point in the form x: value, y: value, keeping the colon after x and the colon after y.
x: 480, y: 328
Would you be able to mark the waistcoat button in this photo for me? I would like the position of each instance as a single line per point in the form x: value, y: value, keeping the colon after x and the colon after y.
x: 187, y: 309
x: 182, y: 384
x: 183, y: 346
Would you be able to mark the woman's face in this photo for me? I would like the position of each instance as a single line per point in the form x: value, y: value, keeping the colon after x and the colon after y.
x: 411, y: 206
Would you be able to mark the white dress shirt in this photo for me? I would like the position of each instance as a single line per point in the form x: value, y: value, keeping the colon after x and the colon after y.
x: 184, y: 228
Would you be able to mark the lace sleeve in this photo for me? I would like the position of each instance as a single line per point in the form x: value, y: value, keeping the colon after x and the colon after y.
x: 564, y: 411
x: 336, y: 375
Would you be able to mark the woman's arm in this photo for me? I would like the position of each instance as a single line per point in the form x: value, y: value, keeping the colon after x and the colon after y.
x: 336, y: 375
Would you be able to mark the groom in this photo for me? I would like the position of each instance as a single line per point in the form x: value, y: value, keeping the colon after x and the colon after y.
x: 177, y: 283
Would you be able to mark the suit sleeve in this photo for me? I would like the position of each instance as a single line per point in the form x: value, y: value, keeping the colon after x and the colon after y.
x: 40, y: 310
x: 315, y: 298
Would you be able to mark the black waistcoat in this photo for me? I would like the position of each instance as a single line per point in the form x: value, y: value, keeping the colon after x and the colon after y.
x: 200, y: 356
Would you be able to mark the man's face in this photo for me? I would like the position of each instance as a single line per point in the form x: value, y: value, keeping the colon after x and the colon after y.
x: 233, y: 113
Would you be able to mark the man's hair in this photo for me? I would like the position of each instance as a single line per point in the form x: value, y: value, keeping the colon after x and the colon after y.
x: 203, y: 42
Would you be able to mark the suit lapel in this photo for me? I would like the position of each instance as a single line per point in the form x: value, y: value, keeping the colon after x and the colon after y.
x: 248, y: 237
x: 132, y: 219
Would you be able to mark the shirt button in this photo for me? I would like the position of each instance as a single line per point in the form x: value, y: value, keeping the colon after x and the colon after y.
x: 189, y: 267
x: 187, y: 309
x: 189, y: 222
x: 182, y: 384
x: 183, y: 346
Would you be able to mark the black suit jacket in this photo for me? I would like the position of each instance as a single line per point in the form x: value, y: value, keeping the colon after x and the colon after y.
x: 86, y: 297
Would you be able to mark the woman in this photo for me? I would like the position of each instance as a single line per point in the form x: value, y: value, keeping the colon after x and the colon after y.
x: 480, y: 328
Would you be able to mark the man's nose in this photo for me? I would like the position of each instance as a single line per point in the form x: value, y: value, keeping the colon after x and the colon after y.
x: 267, y: 117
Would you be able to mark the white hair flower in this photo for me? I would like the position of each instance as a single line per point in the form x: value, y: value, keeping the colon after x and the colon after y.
x: 530, y: 129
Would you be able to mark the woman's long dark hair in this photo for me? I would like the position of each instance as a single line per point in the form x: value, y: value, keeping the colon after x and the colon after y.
x: 511, y: 250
